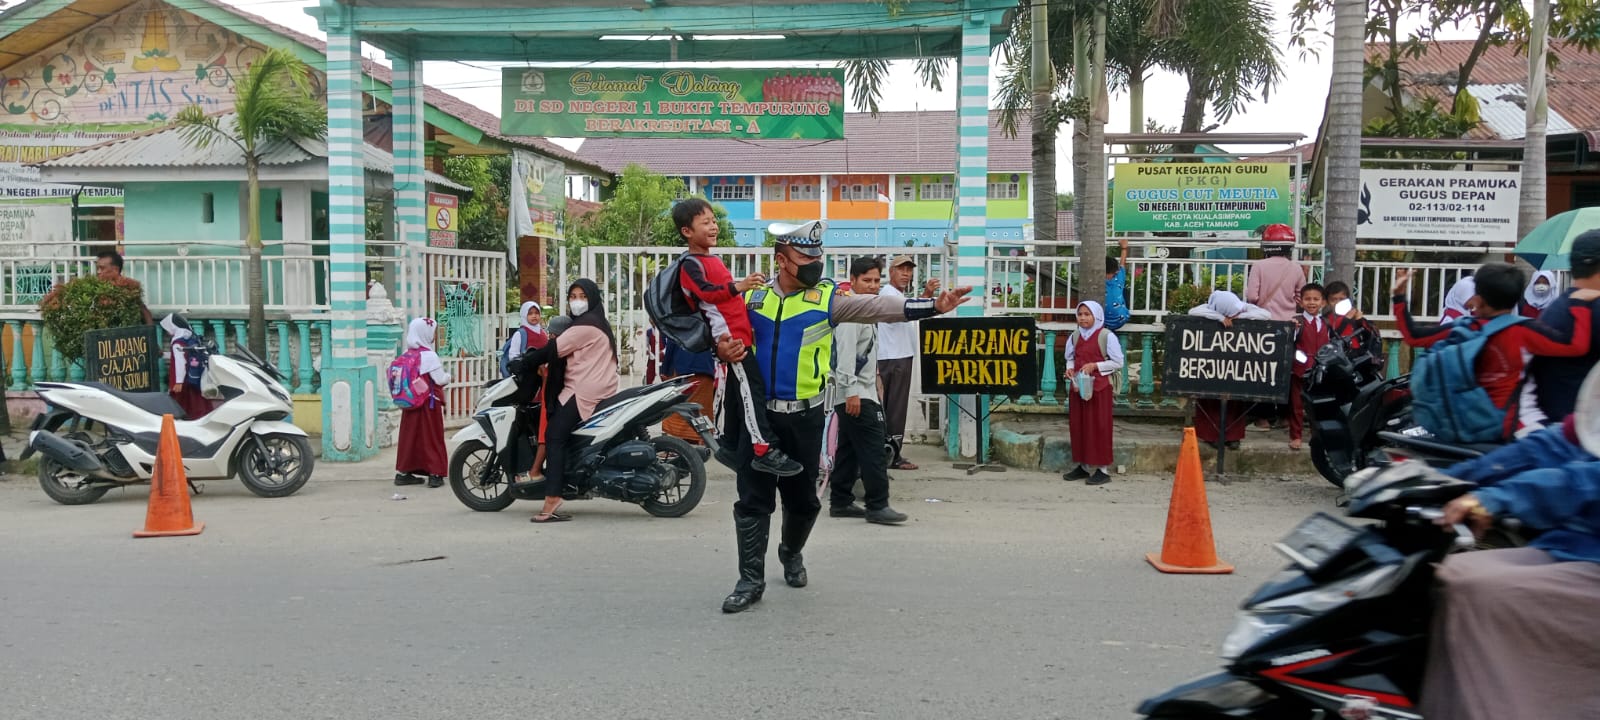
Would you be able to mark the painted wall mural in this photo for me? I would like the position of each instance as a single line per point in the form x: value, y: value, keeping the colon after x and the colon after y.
x: 130, y: 72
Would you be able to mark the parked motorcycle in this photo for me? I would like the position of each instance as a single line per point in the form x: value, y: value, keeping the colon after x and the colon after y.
x: 612, y: 454
x: 1349, y: 403
x: 113, y: 436
x: 1343, y: 631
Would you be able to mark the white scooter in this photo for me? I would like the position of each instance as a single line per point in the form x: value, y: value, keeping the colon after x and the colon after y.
x: 115, y: 433
x: 611, y: 454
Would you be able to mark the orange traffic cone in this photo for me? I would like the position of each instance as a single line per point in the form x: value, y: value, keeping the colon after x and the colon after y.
x: 1188, y: 547
x: 169, y: 513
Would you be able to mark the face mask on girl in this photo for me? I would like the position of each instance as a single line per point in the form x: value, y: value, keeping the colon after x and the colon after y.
x: 1541, y: 289
x: 577, y: 307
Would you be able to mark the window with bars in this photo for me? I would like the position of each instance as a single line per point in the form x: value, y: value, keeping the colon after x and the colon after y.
x: 804, y: 192
x: 733, y: 192
x: 860, y: 192
x: 938, y: 191
x: 1005, y: 191
x: 772, y: 193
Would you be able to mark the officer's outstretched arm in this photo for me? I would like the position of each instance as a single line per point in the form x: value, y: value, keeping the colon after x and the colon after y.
x: 870, y: 309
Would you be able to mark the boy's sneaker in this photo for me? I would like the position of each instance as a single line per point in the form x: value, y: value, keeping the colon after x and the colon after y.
x: 777, y: 463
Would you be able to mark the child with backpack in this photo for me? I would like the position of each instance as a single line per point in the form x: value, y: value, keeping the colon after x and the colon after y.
x: 190, y: 358
x: 1481, y: 404
x: 1093, y: 354
x: 711, y: 290
x: 416, y: 383
x: 528, y: 336
x: 1311, y: 333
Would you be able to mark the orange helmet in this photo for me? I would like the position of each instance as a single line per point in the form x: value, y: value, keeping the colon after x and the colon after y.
x: 1277, y: 234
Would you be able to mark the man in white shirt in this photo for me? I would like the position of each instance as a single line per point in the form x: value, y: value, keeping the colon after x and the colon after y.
x: 862, y: 453
x: 897, y: 345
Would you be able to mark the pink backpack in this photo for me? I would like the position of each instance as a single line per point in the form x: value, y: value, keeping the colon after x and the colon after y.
x: 407, y: 386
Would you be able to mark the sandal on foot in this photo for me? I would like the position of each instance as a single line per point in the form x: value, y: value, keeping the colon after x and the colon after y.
x: 550, y: 518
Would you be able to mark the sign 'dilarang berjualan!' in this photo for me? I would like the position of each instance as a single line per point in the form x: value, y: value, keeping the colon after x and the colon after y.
x: 1249, y: 361
x: 743, y: 103
x: 979, y: 356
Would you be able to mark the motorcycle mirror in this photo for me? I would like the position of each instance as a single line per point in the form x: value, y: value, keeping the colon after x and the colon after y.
x: 1343, y: 307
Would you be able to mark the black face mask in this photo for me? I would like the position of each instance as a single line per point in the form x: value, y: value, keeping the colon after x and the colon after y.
x: 809, y: 275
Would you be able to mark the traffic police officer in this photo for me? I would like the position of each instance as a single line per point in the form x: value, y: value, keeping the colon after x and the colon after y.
x: 793, y: 319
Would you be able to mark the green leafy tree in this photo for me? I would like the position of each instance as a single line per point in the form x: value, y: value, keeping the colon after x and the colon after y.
x: 483, y: 215
x: 273, y: 102
x: 88, y: 303
x: 637, y: 214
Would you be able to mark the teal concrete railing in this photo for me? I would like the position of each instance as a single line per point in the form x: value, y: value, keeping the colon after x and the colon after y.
x: 31, y: 357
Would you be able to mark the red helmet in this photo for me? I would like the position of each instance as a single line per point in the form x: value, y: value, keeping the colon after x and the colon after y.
x: 1277, y: 233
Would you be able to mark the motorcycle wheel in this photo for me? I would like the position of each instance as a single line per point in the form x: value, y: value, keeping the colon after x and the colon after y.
x: 274, y: 466
x: 49, y: 481
x: 477, y: 487
x: 690, y: 471
x: 1319, y: 459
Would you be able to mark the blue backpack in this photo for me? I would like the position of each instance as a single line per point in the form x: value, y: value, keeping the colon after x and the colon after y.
x: 1446, y: 398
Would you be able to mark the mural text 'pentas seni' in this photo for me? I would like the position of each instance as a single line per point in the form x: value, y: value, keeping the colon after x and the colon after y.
x: 657, y: 102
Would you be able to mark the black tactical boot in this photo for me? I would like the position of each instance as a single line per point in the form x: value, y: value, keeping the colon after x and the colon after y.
x: 796, y: 528
x: 751, y: 532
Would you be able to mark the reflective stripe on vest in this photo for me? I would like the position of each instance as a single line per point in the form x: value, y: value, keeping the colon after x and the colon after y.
x: 793, y: 339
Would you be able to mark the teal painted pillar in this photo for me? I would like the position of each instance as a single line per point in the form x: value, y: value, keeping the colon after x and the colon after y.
x: 972, y: 162
x: 58, y: 363
x: 1047, y: 384
x: 410, y: 189
x: 1147, y: 369
x: 325, y: 331
x: 349, y: 383
x: 285, y: 354
x: 302, y: 330
x: 1392, y: 366
x: 240, y: 338
x: 18, y: 365
x: 36, y: 368
x: 219, y: 334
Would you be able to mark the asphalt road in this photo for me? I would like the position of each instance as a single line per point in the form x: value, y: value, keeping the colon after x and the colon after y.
x: 1021, y: 596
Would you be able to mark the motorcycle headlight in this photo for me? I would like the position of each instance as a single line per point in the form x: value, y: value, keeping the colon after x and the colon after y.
x: 1251, y: 628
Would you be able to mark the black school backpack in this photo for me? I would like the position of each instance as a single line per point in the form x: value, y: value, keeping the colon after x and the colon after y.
x: 670, y: 311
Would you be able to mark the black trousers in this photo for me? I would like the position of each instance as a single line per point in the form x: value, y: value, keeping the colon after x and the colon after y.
x: 800, y: 436
x: 896, y: 375
x: 557, y: 438
x: 862, y: 454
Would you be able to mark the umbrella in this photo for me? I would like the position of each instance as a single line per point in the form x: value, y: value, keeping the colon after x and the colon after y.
x: 1550, y: 244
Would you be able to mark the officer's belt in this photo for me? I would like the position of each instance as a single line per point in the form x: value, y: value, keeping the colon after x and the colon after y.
x: 794, y: 406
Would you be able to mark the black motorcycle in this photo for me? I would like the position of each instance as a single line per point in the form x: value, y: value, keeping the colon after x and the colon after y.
x: 1343, y: 631
x: 1349, y: 404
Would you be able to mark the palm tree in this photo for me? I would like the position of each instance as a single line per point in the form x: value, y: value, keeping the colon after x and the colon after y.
x: 1343, y: 140
x: 273, y: 102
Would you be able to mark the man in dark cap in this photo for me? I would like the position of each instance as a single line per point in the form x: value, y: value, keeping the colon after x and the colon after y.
x: 1556, y: 380
x: 793, y: 320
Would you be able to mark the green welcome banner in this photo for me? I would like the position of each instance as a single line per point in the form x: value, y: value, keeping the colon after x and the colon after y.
x: 1199, y: 197
x: 780, y: 103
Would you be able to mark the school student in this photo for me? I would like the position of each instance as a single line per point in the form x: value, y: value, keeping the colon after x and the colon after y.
x: 1093, y: 353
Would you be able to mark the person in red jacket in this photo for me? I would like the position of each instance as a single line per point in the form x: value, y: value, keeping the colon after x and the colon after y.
x: 1501, y: 365
x: 711, y: 290
x: 1311, y: 333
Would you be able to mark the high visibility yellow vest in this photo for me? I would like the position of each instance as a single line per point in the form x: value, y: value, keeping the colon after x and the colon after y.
x: 793, y: 339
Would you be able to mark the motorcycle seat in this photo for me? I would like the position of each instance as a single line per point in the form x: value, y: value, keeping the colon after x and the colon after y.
x: 155, y: 403
x: 1434, y: 445
x: 623, y: 396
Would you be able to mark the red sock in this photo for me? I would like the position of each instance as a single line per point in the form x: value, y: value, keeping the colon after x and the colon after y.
x: 761, y: 449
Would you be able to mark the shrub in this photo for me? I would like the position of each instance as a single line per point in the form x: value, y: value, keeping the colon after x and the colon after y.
x: 89, y: 303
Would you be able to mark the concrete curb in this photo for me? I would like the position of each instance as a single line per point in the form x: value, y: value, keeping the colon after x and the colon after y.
x: 1152, y: 451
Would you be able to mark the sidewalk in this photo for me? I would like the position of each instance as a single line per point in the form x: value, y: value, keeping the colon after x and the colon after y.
x: 1041, y: 442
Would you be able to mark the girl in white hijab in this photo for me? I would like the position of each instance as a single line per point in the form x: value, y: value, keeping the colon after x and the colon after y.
x: 1093, y: 353
x: 188, y: 362
x: 1540, y: 293
x: 1456, y: 302
x: 421, y: 446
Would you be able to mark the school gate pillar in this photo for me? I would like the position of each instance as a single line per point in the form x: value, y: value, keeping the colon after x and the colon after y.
x: 410, y: 185
x: 349, y: 384
x: 972, y: 223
